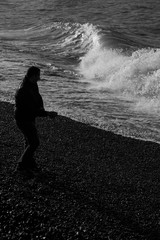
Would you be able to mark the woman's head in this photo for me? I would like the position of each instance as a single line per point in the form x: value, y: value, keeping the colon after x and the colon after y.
x: 33, y: 74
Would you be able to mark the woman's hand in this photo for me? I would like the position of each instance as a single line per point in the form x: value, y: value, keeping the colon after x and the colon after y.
x: 52, y: 115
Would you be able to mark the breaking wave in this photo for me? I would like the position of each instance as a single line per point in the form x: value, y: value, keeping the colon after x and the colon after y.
x: 135, y: 76
x: 58, y: 37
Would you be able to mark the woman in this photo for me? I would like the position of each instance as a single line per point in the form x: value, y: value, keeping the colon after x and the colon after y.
x: 28, y: 106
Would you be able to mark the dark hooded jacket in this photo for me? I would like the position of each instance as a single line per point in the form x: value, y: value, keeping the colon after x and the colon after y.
x: 28, y: 102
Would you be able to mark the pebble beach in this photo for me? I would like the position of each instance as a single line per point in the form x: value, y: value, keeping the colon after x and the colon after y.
x: 93, y: 184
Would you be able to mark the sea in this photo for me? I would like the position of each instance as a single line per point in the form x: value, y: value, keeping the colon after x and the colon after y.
x: 99, y: 60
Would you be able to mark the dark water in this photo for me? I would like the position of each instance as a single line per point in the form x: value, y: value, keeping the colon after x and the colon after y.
x: 100, y: 59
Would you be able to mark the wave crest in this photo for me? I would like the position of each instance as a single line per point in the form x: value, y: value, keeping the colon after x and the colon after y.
x: 75, y: 38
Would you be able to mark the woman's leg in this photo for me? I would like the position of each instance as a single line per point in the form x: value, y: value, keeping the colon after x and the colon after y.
x: 31, y: 142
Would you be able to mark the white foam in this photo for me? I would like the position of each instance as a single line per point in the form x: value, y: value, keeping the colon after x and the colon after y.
x: 136, y: 76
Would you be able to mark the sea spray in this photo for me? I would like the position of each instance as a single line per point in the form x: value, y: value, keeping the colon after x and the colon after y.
x: 135, y: 76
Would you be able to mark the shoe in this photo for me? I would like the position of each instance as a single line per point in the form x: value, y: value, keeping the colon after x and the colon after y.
x: 27, y: 166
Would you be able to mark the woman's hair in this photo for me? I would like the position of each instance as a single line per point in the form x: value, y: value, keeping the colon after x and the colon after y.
x: 32, y: 71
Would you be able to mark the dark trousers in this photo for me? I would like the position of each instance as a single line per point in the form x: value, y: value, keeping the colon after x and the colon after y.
x: 31, y: 141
